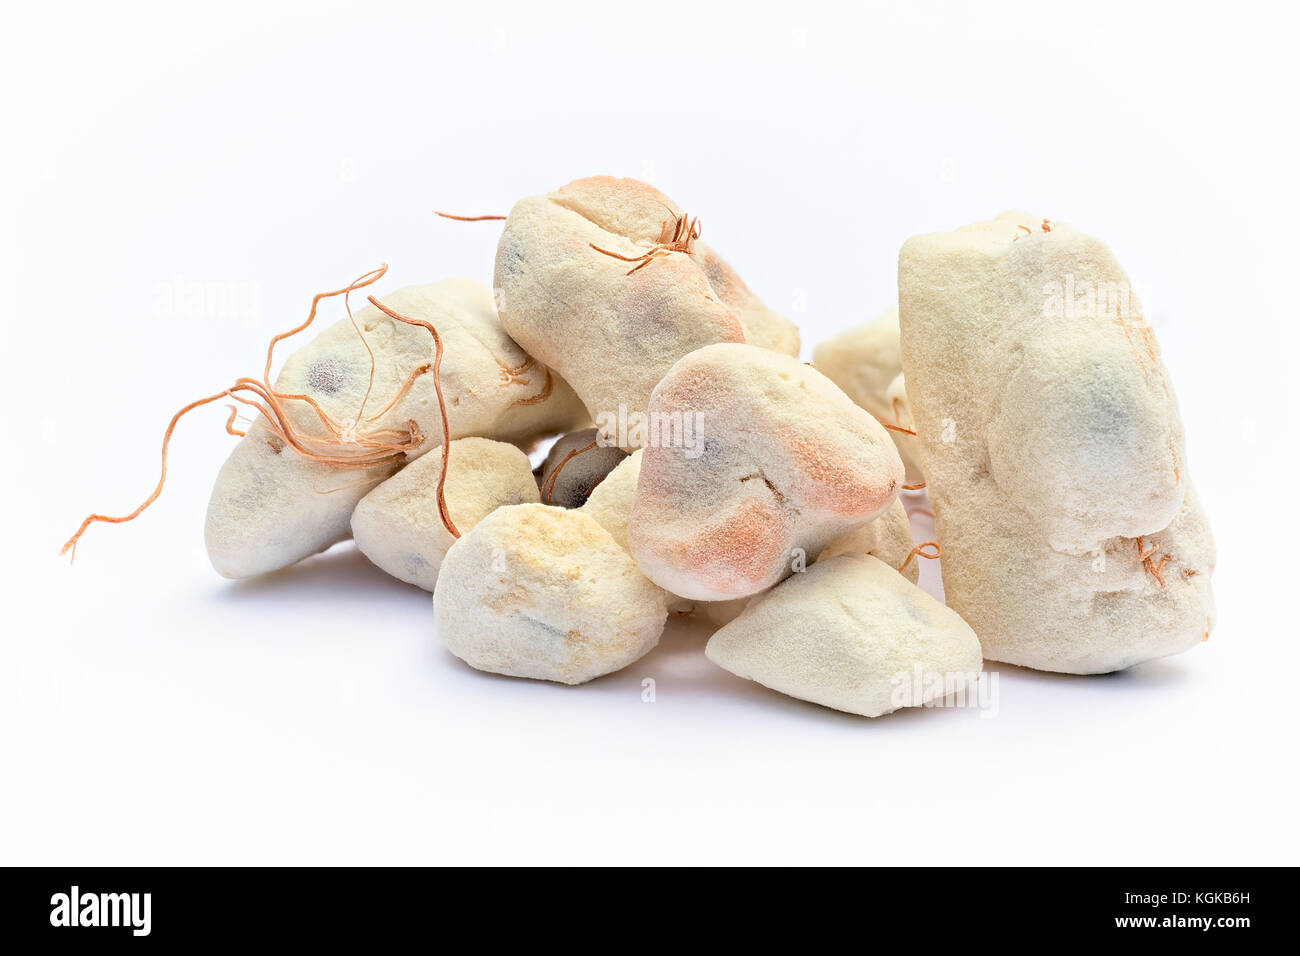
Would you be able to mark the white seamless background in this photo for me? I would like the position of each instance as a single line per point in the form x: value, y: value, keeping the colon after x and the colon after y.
x: 178, y: 182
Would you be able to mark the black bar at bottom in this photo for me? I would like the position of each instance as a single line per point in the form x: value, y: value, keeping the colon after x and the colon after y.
x: 981, y: 906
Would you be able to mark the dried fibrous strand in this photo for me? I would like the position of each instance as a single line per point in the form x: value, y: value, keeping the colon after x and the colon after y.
x: 1152, y: 567
x: 230, y: 422
x: 442, y: 406
x: 71, y: 544
x: 899, y: 428
x: 541, y: 396
x: 447, y: 215
x: 515, y: 376
x: 1046, y: 227
x: 926, y: 549
x: 339, y: 446
x: 401, y: 392
x: 679, y: 238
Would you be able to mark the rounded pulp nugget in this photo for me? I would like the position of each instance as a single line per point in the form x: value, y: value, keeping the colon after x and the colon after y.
x: 271, y: 507
x: 1052, y: 448
x: 544, y: 592
x: 784, y: 463
x: 853, y: 634
x: 611, y: 334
